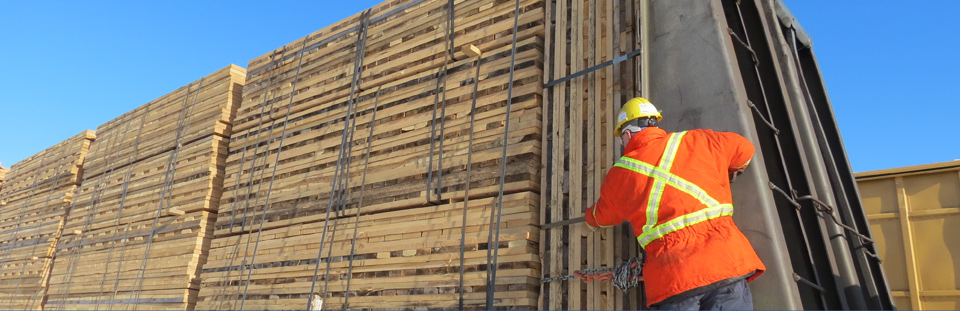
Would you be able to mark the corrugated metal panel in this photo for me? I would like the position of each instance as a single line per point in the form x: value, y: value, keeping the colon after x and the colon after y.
x: 914, y: 214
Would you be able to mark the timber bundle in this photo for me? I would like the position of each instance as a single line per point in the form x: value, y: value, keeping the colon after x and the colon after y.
x: 392, y: 160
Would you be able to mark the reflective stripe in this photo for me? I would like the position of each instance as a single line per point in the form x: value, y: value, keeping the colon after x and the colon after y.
x: 595, y: 219
x: 667, y: 177
x: 684, y: 221
x: 662, y: 175
x: 666, y: 162
x: 744, y: 165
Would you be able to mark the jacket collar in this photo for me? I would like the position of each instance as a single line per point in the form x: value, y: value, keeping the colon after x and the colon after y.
x: 644, y: 137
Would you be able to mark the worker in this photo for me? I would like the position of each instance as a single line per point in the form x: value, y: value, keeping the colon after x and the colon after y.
x: 674, y: 189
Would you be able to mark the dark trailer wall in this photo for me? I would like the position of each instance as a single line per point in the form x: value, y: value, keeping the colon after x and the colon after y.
x: 748, y: 67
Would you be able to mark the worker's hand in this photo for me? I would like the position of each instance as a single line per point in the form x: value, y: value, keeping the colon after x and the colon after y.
x: 587, y: 227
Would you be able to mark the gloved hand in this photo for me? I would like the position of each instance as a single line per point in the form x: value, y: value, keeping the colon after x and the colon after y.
x: 587, y: 227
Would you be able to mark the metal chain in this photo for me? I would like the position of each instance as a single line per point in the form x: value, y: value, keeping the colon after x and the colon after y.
x: 558, y: 278
x: 624, y: 276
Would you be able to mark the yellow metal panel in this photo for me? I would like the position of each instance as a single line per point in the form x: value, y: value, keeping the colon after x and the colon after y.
x: 932, y: 191
x: 879, y: 196
x: 913, y: 279
x: 901, y: 301
x: 941, y: 303
x: 890, y: 249
x: 938, y: 251
x: 914, y: 216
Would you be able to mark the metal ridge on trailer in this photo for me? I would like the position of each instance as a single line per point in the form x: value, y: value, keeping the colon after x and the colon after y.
x: 908, y: 170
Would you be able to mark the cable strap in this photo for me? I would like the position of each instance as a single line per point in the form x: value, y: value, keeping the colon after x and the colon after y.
x: 619, y: 59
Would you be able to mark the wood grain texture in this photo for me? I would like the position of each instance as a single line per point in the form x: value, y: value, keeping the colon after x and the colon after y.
x: 35, y: 203
x: 143, y: 217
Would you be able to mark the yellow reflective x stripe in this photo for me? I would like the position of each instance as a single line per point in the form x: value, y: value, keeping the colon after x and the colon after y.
x: 666, y: 162
x: 714, y: 208
x: 685, y: 221
x: 667, y: 177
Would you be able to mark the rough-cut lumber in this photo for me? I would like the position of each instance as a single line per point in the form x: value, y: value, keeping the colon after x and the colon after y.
x: 3, y: 174
x: 36, y: 201
x: 579, y: 149
x: 400, y: 150
x: 371, y: 116
x: 401, y: 260
x: 152, y: 128
x: 143, y: 216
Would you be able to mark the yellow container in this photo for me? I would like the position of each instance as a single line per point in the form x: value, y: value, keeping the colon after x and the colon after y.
x: 914, y: 215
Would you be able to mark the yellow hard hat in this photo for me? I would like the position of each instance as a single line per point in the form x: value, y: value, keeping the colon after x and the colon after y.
x: 636, y: 108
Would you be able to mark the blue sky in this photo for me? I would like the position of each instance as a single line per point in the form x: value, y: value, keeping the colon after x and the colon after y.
x: 890, y: 68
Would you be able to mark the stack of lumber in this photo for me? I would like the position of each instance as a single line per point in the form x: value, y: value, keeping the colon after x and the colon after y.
x: 3, y: 173
x: 579, y: 149
x: 401, y: 260
x: 144, y: 214
x: 406, y: 119
x: 34, y: 204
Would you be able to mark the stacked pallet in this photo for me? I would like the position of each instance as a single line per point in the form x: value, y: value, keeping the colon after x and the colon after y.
x: 369, y: 120
x: 34, y: 204
x: 144, y: 213
x: 580, y: 149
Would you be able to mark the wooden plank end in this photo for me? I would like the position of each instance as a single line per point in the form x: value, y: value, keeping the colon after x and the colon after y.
x: 471, y: 50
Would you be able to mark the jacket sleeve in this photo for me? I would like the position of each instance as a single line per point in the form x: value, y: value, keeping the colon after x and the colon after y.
x: 603, y: 214
x: 737, y: 149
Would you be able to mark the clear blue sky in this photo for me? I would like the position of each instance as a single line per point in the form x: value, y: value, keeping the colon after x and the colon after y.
x: 890, y: 68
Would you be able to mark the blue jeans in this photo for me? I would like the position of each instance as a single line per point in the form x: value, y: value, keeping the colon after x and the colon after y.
x: 735, y: 296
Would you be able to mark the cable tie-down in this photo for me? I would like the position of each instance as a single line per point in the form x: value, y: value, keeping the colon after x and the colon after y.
x: 790, y: 198
x: 769, y: 124
x: 744, y: 44
x: 798, y: 278
x: 825, y: 208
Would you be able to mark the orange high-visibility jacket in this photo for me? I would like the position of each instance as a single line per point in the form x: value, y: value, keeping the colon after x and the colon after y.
x: 675, y: 190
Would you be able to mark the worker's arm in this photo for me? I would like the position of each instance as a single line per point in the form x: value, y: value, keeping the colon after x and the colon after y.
x: 603, y: 213
x: 737, y: 149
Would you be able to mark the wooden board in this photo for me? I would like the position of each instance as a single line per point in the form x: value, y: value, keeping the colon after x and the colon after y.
x: 579, y: 148
x: 3, y: 174
x: 141, y: 223
x: 402, y: 155
x: 402, y: 259
x: 200, y: 109
x: 313, y: 134
x: 34, y: 205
